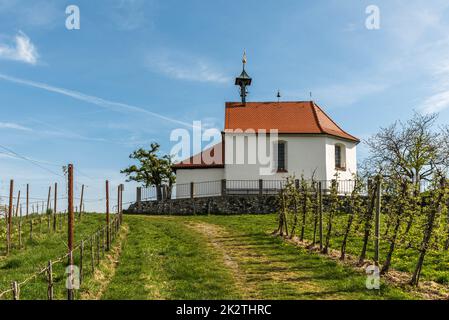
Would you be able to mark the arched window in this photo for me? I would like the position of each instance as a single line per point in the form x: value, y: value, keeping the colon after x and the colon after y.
x: 340, y: 157
x: 281, y: 147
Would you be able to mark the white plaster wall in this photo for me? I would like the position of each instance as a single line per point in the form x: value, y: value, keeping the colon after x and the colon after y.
x: 199, y: 175
x: 351, y: 159
x: 305, y: 154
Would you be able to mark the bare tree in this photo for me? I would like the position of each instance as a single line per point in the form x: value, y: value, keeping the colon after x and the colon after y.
x: 413, y: 149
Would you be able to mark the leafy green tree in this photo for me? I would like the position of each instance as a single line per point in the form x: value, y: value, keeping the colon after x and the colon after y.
x: 152, y: 169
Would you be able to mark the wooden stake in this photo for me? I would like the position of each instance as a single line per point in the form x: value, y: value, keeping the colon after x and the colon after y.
x: 92, y: 256
x: 28, y: 199
x: 81, y: 261
x: 108, y: 236
x: 48, y: 199
x: 17, y: 205
x: 320, y: 213
x: 55, y: 208
x: 377, y: 220
x: 9, y: 224
x: 70, y: 293
x: 50, y: 280
x: 15, y: 291
x: 81, y: 201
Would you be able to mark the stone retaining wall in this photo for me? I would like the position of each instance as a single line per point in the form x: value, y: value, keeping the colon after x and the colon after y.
x: 227, y: 205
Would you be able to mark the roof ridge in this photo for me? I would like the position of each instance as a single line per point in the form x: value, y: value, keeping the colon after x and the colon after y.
x: 327, y: 116
x: 313, y: 105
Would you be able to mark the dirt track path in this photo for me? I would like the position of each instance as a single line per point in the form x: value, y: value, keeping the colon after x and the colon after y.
x: 255, y: 272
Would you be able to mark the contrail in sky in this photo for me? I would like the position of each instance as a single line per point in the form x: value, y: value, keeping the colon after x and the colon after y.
x: 112, y: 105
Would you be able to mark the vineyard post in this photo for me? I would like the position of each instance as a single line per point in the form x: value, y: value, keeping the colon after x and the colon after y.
x: 15, y: 291
x: 118, y: 199
x: 315, y: 220
x: 377, y: 220
x: 122, y: 187
x: 70, y: 293
x: 17, y: 205
x: 108, y: 236
x: 320, y: 213
x: 92, y: 256
x: 50, y: 280
x: 81, y: 261
x: 20, y: 228
x: 9, y: 224
x: 97, y: 236
x: 48, y: 198
x: 103, y: 241
x: 81, y: 201
x: 55, y: 207
x: 28, y: 199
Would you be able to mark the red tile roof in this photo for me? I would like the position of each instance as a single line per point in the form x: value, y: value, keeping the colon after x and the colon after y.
x: 198, y: 160
x: 304, y: 117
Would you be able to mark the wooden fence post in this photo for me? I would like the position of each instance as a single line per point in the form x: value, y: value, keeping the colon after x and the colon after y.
x: 92, y: 256
x: 320, y: 213
x: 70, y: 225
x: 31, y: 229
x: 108, y: 235
x: 55, y: 212
x: 17, y: 205
x: 9, y: 223
x: 50, y: 290
x: 139, y: 194
x: 28, y: 200
x: 260, y: 187
x: 192, y: 190
x: 20, y: 231
x: 81, y: 201
x: 15, y: 291
x: 223, y: 187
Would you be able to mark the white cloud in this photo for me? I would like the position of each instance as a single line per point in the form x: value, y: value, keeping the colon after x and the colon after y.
x: 14, y: 126
x: 436, y: 103
x: 111, y: 105
x: 22, y: 50
x: 185, y: 68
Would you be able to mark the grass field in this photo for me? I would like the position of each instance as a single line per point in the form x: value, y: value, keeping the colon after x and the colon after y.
x: 436, y: 265
x: 210, y: 257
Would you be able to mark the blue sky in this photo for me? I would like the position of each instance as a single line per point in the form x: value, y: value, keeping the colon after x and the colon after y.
x: 138, y: 69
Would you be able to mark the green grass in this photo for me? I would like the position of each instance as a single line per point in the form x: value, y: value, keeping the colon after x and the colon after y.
x: 162, y: 259
x: 34, y: 256
x: 165, y: 258
x: 436, y: 264
x: 199, y: 257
